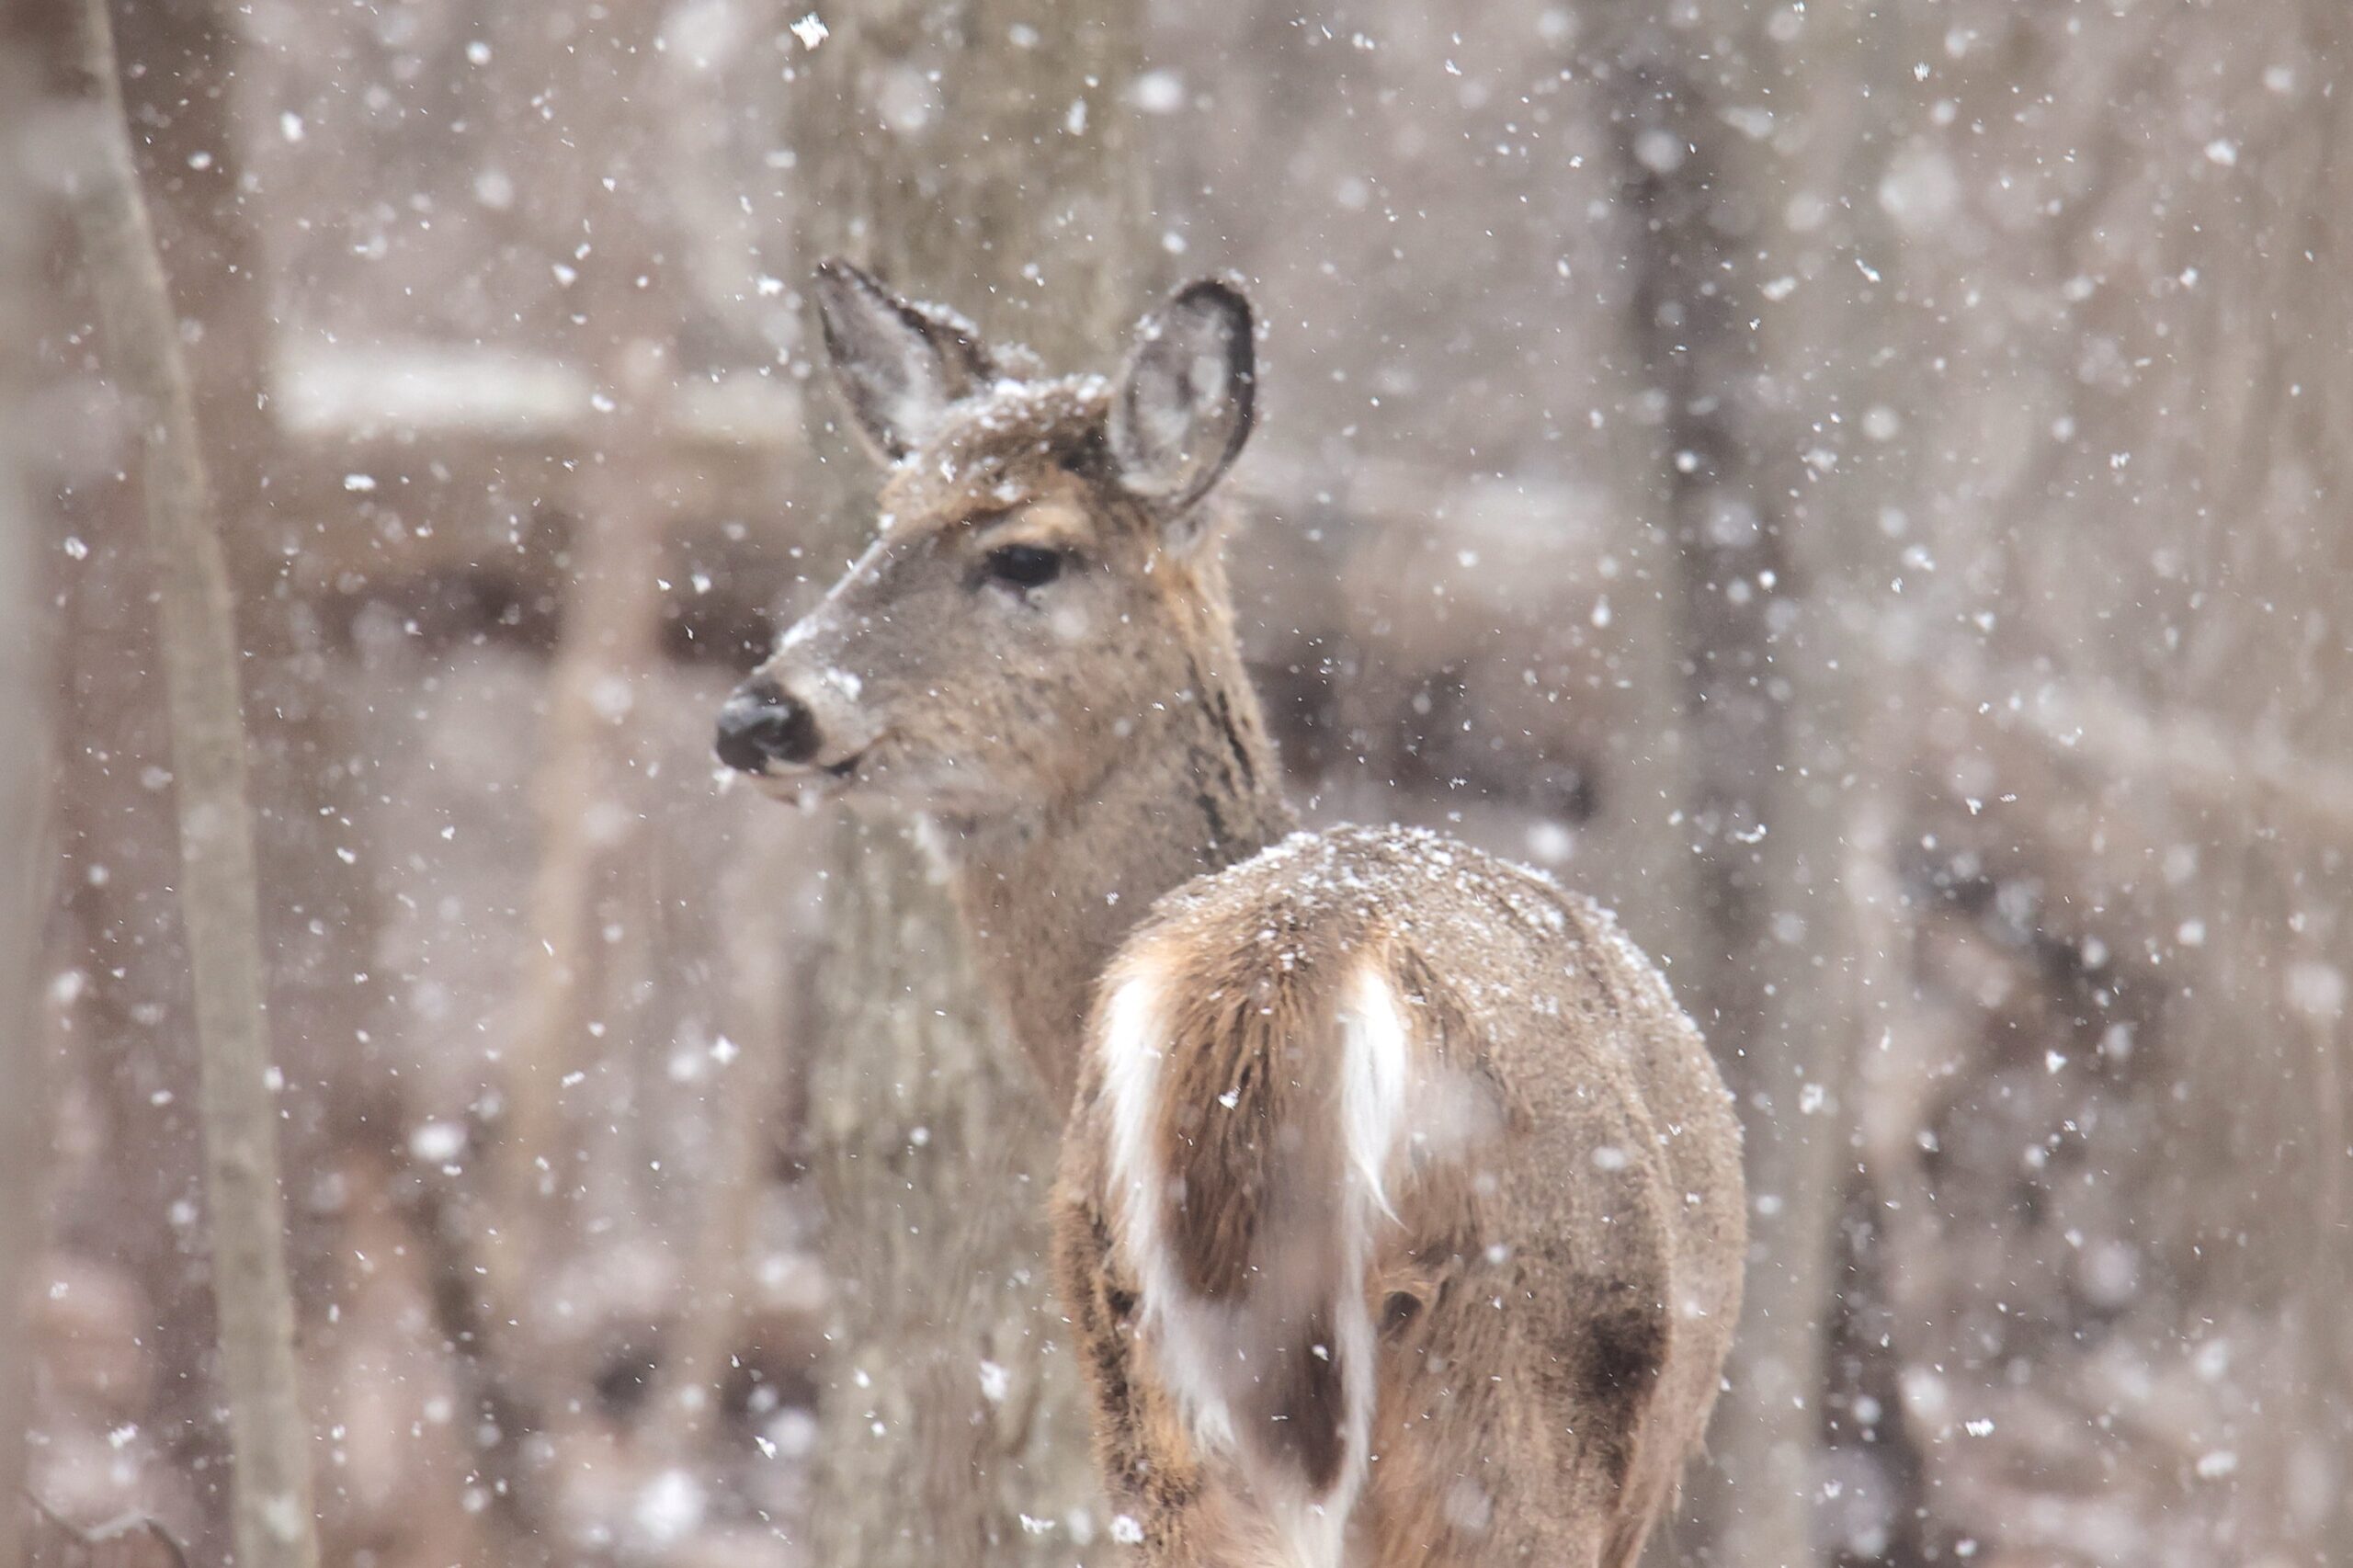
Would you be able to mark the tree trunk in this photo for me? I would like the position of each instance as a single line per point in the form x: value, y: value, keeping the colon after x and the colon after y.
x: 1774, y: 523
x: 118, y: 880
x: 25, y: 850
x: 981, y: 151
x: 275, y: 1524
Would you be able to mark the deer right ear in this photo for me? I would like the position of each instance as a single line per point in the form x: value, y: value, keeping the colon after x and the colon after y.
x: 1182, y: 410
x: 900, y: 366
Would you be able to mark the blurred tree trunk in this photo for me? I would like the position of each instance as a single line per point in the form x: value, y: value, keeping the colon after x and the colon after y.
x: 177, y: 82
x: 1773, y: 510
x: 24, y: 845
x: 980, y: 151
x: 27, y: 850
x: 275, y: 1523
x: 177, y: 60
x: 1726, y: 532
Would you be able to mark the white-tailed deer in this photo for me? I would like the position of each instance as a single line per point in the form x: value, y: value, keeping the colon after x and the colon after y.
x: 1400, y: 1216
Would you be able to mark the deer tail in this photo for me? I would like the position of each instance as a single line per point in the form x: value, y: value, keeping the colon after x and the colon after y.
x: 1256, y: 1126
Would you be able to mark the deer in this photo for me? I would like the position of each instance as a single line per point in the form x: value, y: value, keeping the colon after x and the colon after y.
x: 1399, y: 1214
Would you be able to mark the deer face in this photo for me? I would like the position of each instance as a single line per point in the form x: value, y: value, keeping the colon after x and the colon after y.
x: 1043, y: 569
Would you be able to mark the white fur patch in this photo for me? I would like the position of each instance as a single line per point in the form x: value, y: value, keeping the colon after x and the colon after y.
x: 1197, y: 1346
x: 1313, y: 1534
x: 1375, y: 1074
x: 1132, y: 1045
x: 1373, y: 1081
x: 1191, y: 1339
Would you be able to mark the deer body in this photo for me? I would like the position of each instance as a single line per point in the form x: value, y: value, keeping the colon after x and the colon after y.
x: 1399, y: 1218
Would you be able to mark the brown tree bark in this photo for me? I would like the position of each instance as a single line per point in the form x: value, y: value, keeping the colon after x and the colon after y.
x: 979, y: 152
x: 25, y: 849
x: 1770, y: 557
x: 118, y: 926
x: 274, y: 1519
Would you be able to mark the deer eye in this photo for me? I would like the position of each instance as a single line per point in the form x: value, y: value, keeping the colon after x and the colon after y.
x: 1024, y: 565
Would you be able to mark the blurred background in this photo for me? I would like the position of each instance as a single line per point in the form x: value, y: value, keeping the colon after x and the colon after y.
x: 1862, y: 488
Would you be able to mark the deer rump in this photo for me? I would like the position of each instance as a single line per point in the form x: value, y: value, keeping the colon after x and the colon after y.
x: 1253, y: 1120
x: 1372, y: 1267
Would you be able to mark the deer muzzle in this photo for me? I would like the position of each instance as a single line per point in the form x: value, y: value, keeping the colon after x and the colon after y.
x: 762, y: 725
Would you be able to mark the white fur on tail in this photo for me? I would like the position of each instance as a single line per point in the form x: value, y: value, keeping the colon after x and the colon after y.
x: 1374, y: 1072
x: 1199, y: 1348
x: 1372, y: 1082
x: 1192, y: 1338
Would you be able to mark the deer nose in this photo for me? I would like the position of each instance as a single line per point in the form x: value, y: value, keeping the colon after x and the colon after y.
x: 760, y: 724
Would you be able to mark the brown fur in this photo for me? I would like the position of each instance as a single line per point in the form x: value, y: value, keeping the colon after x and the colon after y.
x: 1039, y: 809
x: 1262, y: 1029
x: 1538, y: 1387
x: 1546, y: 1302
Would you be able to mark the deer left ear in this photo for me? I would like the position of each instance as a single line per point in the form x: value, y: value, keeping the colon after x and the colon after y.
x: 900, y: 366
x: 1183, y: 408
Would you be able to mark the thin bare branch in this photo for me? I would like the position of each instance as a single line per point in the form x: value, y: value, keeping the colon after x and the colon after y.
x: 937, y: 1259
x: 2112, y: 735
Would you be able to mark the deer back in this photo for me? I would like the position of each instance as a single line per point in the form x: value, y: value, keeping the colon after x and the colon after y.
x: 1390, y: 1159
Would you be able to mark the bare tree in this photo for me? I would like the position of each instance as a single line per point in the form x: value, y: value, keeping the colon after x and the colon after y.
x: 1773, y: 521
x: 120, y: 855
x: 275, y: 1524
x: 980, y: 149
x: 24, y: 787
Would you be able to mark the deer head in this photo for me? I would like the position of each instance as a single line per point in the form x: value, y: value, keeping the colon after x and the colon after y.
x: 1044, y: 575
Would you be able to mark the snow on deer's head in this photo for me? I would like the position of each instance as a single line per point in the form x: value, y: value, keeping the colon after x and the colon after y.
x: 1044, y: 576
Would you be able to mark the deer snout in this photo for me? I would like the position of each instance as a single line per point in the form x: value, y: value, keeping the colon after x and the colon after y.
x: 761, y: 723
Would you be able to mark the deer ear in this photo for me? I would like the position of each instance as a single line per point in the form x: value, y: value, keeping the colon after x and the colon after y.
x: 1182, y: 409
x: 900, y: 366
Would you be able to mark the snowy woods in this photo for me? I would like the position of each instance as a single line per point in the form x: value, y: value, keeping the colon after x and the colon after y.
x: 1860, y: 489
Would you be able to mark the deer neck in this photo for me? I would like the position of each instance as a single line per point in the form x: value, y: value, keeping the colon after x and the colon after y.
x: 1050, y: 898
